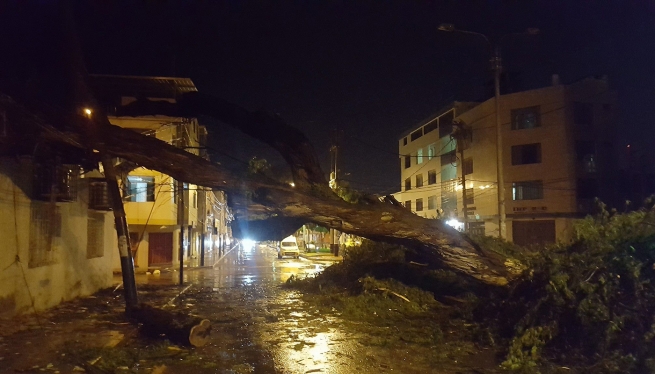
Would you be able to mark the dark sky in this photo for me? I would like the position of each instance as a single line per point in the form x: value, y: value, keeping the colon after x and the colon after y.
x: 372, y: 68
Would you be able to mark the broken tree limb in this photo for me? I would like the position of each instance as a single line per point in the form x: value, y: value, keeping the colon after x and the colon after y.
x: 178, y: 327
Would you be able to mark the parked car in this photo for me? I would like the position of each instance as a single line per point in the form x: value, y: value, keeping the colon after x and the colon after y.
x: 288, y: 247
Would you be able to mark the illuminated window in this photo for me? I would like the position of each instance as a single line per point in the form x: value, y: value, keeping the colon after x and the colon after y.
x: 419, y: 156
x: 140, y: 189
x: 528, y: 190
x: 432, y: 151
x: 526, y: 118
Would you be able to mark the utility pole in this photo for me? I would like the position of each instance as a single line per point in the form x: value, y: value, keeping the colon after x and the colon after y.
x: 120, y: 222
x: 461, y: 136
x: 334, y: 184
x: 180, y: 223
x: 497, y: 67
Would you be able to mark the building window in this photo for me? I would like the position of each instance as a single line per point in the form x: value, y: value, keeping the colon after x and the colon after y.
x: 408, y: 184
x: 432, y: 202
x: 587, y: 188
x: 95, y: 235
x: 526, y: 154
x: 405, y: 141
x: 419, y: 205
x: 448, y: 158
x: 432, y: 151
x: 416, y: 134
x: 470, y: 200
x: 431, y: 126
x: 408, y: 161
x: 98, y: 194
x: 526, y: 118
x: 528, y: 190
x: 583, y: 113
x: 446, y: 124
x: 419, y: 180
x: 55, y: 182
x: 432, y: 176
x: 140, y: 189
x: 467, y: 166
x: 419, y: 156
x: 408, y: 204
x: 45, y: 234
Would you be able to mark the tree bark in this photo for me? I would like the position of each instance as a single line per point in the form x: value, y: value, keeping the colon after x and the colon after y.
x: 179, y: 328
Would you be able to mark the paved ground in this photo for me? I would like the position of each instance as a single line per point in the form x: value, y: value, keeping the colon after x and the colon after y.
x: 257, y: 327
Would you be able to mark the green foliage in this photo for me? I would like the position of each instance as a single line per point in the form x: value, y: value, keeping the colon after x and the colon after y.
x: 589, y: 304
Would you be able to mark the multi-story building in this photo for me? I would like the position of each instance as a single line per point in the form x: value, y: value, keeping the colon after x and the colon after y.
x: 557, y: 158
x: 150, y: 197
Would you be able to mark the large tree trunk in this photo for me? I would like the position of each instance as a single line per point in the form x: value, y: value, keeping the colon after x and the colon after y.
x: 311, y: 200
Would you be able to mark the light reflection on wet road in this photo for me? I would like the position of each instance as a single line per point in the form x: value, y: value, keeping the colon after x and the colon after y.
x: 299, y: 342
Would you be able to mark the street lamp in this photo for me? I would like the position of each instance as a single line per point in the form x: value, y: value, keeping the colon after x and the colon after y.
x: 496, y: 66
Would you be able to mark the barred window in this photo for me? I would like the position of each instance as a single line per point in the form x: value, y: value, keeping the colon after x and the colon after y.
x: 45, y: 234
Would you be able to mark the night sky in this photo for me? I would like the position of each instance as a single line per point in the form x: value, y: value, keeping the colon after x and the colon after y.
x: 372, y: 68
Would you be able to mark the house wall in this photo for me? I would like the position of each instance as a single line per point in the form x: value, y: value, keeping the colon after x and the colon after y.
x: 25, y: 288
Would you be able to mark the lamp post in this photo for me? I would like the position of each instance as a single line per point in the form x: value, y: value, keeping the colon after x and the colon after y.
x: 496, y: 66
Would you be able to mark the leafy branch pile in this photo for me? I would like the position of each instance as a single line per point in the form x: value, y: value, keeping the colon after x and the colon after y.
x: 589, y: 305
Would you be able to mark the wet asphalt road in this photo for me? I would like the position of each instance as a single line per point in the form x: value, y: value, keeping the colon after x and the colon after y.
x: 257, y: 327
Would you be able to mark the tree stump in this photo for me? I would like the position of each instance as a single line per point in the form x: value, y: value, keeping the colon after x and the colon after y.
x: 178, y: 327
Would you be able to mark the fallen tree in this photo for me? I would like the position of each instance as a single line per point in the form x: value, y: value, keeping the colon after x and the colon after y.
x: 311, y: 200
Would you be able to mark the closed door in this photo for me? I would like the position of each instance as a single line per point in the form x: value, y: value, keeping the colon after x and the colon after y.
x: 527, y: 233
x: 160, y: 248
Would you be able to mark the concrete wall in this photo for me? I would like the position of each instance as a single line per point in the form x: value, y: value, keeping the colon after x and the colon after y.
x: 71, y: 274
